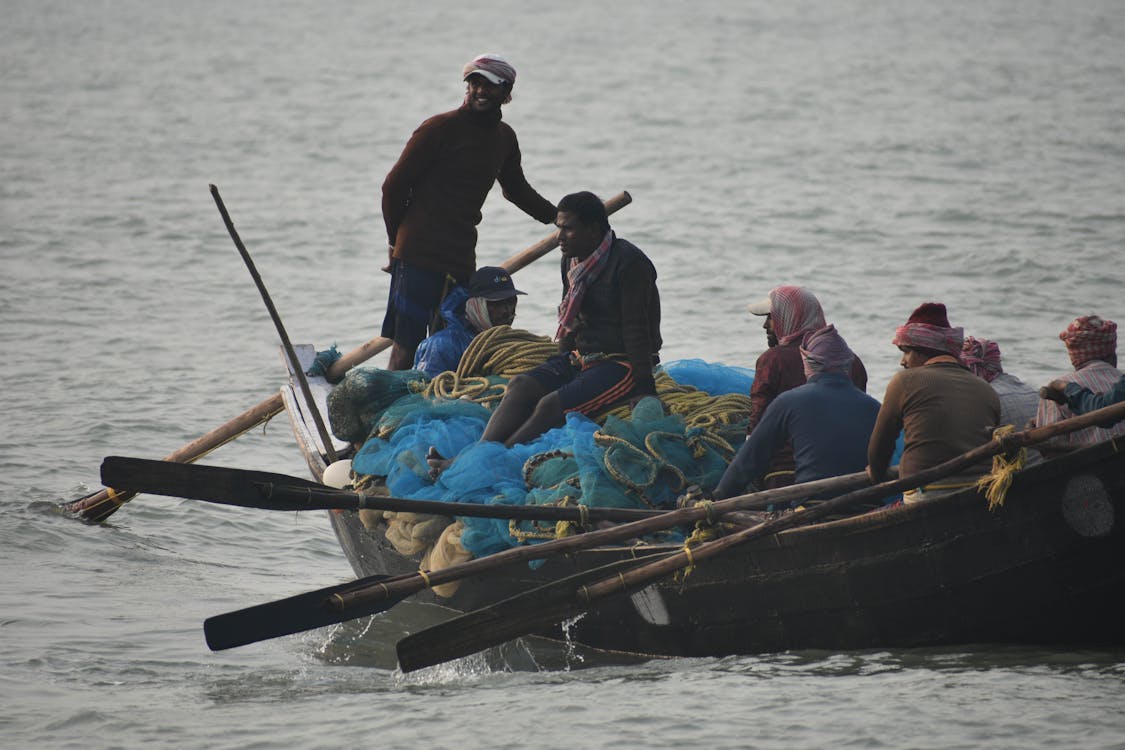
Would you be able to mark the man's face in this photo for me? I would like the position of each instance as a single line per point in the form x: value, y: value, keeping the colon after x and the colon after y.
x: 484, y: 95
x: 771, y: 335
x: 911, y: 358
x: 502, y: 311
x: 577, y: 239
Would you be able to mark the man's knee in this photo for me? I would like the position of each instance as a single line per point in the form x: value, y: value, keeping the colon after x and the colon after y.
x: 549, y: 407
x: 525, y: 388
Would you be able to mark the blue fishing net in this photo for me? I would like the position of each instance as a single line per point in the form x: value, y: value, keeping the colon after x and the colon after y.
x: 713, y: 377
x: 645, y: 459
x: 323, y: 361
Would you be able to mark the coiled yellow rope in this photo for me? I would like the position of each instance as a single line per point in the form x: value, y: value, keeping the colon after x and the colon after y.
x: 505, y: 352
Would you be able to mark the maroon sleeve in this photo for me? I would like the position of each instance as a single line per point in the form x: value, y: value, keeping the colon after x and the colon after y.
x: 859, y: 374
x: 517, y: 189
x: 415, y: 160
x: 767, y: 377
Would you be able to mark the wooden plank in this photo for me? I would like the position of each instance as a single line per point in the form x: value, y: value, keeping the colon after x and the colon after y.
x: 303, y: 424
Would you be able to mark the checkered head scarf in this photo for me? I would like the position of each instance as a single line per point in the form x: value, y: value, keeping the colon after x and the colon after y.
x: 794, y: 311
x: 825, y: 350
x: 1089, y: 337
x: 982, y: 356
x: 928, y: 328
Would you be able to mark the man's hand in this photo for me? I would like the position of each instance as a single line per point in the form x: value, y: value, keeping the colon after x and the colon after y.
x: 1054, y: 391
x: 390, y: 259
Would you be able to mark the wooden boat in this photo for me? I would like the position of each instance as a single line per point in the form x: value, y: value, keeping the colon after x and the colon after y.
x: 1048, y: 567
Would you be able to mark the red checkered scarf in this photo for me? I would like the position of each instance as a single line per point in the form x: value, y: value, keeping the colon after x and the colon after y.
x: 927, y: 336
x: 579, y: 277
x: 825, y: 350
x: 794, y: 312
x: 1089, y: 337
x: 982, y: 356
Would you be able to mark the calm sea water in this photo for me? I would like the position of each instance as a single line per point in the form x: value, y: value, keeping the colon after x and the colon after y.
x: 882, y: 154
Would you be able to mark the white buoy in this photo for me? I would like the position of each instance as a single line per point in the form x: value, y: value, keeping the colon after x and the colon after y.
x: 339, y: 474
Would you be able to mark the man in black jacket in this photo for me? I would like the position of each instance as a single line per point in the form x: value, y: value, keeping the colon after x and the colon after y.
x: 609, y: 330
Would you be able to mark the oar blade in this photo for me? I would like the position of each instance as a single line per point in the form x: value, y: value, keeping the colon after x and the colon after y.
x: 214, y: 484
x: 288, y: 616
x: 517, y: 616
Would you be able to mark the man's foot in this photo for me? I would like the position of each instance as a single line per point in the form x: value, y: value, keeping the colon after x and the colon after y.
x: 436, y: 462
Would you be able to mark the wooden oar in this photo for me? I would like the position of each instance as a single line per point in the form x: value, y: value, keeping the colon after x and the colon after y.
x: 298, y: 370
x: 541, y: 608
x: 100, y: 505
x: 269, y: 491
x: 373, y: 594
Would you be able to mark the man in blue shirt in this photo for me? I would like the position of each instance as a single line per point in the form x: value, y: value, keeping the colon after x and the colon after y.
x: 1081, y: 400
x: 828, y: 419
x: 489, y: 300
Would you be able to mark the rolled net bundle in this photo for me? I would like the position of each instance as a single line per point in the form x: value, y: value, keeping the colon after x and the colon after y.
x: 357, y: 402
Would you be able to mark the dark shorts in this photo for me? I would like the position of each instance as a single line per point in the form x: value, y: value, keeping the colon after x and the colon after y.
x: 412, y: 303
x: 588, y: 390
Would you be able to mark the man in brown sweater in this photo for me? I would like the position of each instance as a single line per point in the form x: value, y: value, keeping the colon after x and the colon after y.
x: 942, y: 409
x: 432, y: 201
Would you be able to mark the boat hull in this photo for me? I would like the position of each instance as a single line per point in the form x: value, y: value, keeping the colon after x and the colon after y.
x: 1047, y: 567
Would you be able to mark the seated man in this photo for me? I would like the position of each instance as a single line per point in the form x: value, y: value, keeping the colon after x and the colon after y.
x: 791, y: 312
x: 1081, y: 400
x: 490, y: 300
x: 608, y: 334
x: 942, y: 409
x: 1091, y: 343
x: 1018, y: 400
x: 828, y: 420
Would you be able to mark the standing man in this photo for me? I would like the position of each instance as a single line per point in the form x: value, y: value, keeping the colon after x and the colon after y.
x: 942, y: 409
x: 433, y: 195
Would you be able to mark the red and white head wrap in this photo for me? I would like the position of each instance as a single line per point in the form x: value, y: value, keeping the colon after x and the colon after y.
x: 928, y: 328
x: 794, y: 311
x: 493, y: 67
x: 1090, y: 337
x: 982, y: 356
x: 825, y: 350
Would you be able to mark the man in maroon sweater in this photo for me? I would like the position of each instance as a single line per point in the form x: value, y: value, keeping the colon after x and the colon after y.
x: 433, y: 195
x: 791, y: 312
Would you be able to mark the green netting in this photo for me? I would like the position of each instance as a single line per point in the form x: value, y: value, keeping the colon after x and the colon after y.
x: 358, y: 401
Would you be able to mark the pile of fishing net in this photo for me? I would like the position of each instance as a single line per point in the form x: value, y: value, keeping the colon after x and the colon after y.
x: 642, y: 457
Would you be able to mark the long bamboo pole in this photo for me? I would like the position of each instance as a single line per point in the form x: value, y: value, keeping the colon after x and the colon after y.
x: 100, y: 505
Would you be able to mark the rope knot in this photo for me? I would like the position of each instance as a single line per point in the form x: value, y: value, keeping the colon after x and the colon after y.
x: 996, y: 483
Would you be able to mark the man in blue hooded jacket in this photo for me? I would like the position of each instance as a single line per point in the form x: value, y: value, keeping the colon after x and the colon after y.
x: 489, y: 300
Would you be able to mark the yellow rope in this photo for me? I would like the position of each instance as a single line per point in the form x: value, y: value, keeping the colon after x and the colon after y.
x: 996, y: 484
x: 505, y: 352
x: 425, y: 577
